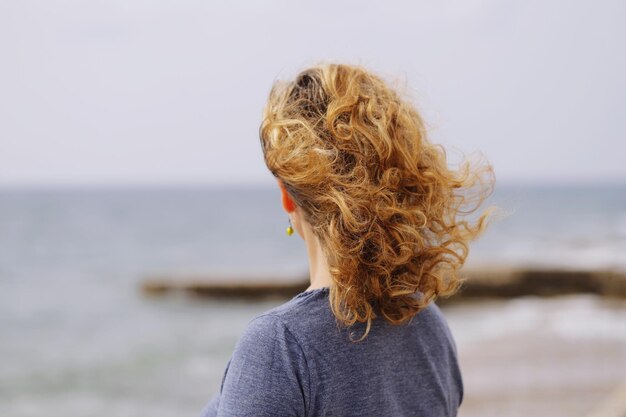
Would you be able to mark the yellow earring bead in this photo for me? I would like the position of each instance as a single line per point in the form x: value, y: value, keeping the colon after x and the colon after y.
x: 289, y: 228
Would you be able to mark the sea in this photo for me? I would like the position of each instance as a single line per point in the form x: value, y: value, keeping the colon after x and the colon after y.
x: 78, y: 337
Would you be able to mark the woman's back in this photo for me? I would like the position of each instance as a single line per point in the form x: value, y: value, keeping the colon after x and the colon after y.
x: 294, y: 360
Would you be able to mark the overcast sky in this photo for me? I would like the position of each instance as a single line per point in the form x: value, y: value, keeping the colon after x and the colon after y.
x: 130, y: 92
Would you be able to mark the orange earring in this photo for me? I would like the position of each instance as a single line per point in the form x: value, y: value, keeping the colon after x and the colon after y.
x: 289, y: 228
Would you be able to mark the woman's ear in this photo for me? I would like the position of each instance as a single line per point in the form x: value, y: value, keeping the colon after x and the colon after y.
x: 288, y: 203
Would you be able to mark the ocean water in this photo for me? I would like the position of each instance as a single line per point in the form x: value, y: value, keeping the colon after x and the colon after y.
x: 78, y: 338
x: 562, y: 226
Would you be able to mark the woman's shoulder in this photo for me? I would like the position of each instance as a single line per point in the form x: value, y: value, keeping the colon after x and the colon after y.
x: 308, y: 306
x: 305, y: 316
x: 268, y: 369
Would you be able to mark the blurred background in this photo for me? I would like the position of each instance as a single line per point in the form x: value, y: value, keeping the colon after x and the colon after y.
x: 132, y: 182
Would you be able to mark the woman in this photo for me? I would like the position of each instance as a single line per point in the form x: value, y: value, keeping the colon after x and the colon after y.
x: 381, y: 215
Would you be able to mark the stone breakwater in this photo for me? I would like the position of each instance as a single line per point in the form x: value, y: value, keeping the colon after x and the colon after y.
x: 492, y: 282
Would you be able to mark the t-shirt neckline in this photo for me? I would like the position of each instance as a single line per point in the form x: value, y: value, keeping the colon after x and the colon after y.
x: 313, y: 291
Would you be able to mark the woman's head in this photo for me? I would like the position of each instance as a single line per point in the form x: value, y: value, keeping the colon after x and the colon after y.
x: 354, y: 156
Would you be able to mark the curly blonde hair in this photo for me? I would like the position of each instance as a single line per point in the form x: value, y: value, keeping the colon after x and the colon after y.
x: 354, y: 156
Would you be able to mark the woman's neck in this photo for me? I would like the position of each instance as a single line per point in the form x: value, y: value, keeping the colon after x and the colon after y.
x: 319, y: 272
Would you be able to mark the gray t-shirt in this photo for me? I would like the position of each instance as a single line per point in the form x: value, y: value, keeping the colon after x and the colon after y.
x: 294, y: 360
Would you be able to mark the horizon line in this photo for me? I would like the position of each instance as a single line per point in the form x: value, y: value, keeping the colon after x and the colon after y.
x: 163, y: 185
